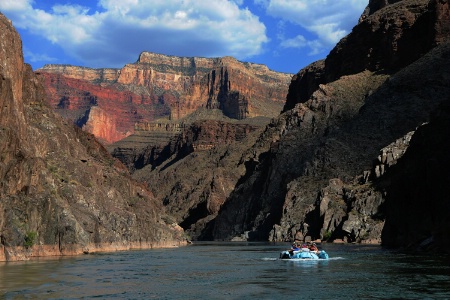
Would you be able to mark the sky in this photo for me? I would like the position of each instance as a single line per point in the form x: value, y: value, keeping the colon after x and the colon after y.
x: 285, y: 35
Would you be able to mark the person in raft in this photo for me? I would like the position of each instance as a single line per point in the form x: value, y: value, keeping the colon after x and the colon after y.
x: 313, y: 248
x: 294, y: 248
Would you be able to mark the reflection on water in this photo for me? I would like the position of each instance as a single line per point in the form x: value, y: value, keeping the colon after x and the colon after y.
x: 230, y: 271
x: 14, y: 275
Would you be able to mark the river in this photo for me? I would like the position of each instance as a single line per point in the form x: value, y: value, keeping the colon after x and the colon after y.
x: 230, y: 271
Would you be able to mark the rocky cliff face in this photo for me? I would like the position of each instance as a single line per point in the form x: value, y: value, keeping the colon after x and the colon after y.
x: 61, y: 193
x: 417, y: 201
x: 107, y: 112
x: 336, y: 163
x: 159, y: 86
x: 358, y: 154
x: 390, y: 35
x: 195, y: 173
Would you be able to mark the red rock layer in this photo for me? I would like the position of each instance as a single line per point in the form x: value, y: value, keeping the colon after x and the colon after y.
x: 106, y: 112
x: 158, y: 86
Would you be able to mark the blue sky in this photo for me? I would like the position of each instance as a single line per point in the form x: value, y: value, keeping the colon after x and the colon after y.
x: 285, y: 35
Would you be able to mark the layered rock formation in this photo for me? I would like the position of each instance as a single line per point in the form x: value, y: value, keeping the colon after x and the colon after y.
x: 358, y: 154
x: 338, y: 164
x: 196, y: 172
x: 159, y: 86
x: 107, y: 112
x: 61, y: 193
x: 323, y: 168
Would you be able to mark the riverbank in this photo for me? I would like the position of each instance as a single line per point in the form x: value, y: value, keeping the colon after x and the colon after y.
x: 21, y: 253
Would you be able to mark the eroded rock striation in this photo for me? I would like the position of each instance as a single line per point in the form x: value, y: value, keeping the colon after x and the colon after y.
x: 197, y: 171
x: 358, y: 154
x: 108, y: 113
x: 390, y: 35
x: 61, y: 193
x: 159, y: 86
x: 336, y: 163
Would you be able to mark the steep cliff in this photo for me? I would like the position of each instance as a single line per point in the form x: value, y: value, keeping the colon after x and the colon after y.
x: 323, y: 168
x: 61, y: 193
x: 195, y: 173
x: 417, y: 201
x: 91, y: 103
x: 159, y: 86
x: 390, y: 35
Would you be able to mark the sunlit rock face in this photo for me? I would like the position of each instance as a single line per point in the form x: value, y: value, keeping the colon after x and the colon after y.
x: 61, y: 193
x: 159, y: 86
x: 80, y: 101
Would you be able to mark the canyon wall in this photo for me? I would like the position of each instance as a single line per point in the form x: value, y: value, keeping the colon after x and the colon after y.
x: 195, y: 172
x: 331, y: 165
x: 358, y: 154
x: 162, y: 87
x: 87, y: 104
x: 61, y: 192
x: 390, y: 35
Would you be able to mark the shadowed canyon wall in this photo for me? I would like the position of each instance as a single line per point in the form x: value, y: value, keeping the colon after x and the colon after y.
x: 61, y: 193
x: 334, y: 164
x: 323, y: 168
x: 357, y: 155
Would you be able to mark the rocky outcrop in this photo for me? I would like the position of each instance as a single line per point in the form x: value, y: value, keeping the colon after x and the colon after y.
x: 417, y: 189
x: 159, y: 86
x: 147, y: 145
x: 206, y: 134
x: 395, y: 29
x: 322, y: 169
x: 390, y: 35
x: 61, y: 193
x: 195, y: 173
x: 304, y: 83
x: 108, y: 113
x: 11, y: 82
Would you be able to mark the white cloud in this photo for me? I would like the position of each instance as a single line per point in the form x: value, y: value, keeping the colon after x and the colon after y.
x: 117, y: 33
x: 298, y: 42
x: 14, y: 5
x: 329, y: 20
x: 315, y: 46
x: 35, y: 57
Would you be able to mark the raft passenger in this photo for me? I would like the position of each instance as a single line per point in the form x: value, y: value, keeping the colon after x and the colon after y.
x: 313, y: 248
